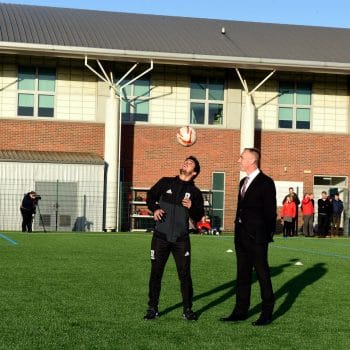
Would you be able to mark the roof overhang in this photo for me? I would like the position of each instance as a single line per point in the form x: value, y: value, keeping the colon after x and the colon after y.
x: 50, y: 157
x: 176, y: 58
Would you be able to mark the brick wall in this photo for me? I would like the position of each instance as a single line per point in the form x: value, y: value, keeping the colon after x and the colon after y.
x: 151, y: 152
x: 50, y: 135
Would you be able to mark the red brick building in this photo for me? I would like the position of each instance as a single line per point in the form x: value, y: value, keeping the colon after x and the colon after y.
x: 282, y: 88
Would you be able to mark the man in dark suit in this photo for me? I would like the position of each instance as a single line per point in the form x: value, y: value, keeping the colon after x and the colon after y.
x: 255, y: 225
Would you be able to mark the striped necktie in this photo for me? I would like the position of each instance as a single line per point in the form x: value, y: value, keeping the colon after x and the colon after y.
x: 244, y: 187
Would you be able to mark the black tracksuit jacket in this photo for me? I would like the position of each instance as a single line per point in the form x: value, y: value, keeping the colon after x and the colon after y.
x: 167, y: 194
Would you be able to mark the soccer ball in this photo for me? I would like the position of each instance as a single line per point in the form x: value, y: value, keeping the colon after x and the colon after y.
x: 186, y: 136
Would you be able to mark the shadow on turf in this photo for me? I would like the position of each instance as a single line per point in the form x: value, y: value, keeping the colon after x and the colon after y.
x: 291, y: 290
x: 294, y: 287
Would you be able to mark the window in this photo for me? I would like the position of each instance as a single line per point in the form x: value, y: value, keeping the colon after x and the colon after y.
x: 218, y: 180
x: 36, y: 91
x: 207, y: 101
x: 135, y: 101
x: 294, y: 105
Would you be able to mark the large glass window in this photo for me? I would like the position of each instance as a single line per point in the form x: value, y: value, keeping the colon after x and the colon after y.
x: 294, y: 105
x: 207, y: 101
x: 135, y: 100
x: 36, y: 91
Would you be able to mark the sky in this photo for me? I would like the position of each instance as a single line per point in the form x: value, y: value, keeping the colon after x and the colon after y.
x: 325, y: 13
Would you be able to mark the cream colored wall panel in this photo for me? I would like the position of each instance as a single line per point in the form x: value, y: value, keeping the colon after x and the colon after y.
x: 182, y: 120
x: 62, y: 98
x: 87, y: 97
x: 76, y: 92
x: 62, y: 111
x: 156, y: 119
x: 317, y: 111
x: 9, y: 83
x: 62, y: 85
x: 157, y: 109
x: 89, y: 79
x: 317, y: 98
x: 169, y: 118
x: 329, y: 111
x: 329, y: 98
x: 318, y: 128
x: 76, y: 102
x: 169, y: 109
x: 89, y: 105
x: 182, y: 110
x: 341, y: 112
x: 341, y: 129
x: 88, y: 110
x: 342, y: 104
x: 89, y: 117
x: 89, y: 91
x: 76, y: 117
x: 329, y: 103
x: 76, y: 110
x: 8, y: 111
x: 182, y: 95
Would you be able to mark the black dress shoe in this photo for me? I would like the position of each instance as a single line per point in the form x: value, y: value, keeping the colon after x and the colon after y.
x: 262, y: 321
x: 233, y: 318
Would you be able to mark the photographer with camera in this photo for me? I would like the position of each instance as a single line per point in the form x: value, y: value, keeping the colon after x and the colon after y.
x: 28, y: 210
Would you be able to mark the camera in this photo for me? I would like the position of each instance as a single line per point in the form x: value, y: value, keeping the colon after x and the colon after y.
x: 36, y: 199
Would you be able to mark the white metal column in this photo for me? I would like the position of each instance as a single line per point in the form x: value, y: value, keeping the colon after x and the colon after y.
x: 248, y: 115
x: 111, y: 161
x: 113, y: 143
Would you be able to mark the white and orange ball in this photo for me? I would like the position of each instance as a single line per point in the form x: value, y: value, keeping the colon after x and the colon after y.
x: 186, y: 136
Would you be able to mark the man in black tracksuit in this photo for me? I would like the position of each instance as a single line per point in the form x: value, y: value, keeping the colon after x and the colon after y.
x: 173, y: 200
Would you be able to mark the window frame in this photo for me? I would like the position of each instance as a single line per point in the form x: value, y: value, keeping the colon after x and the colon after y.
x: 295, y: 88
x: 132, y: 97
x: 222, y: 193
x: 207, y: 101
x: 36, y: 93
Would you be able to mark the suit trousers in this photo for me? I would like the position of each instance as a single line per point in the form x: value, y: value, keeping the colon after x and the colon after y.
x: 160, y: 251
x: 251, y: 255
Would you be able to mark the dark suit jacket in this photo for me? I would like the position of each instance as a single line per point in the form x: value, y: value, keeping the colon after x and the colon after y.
x: 256, y: 211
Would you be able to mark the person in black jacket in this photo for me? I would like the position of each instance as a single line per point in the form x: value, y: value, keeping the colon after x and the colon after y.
x: 28, y: 209
x: 173, y: 201
x: 324, y: 214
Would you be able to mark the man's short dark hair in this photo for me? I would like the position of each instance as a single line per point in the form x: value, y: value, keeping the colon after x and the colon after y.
x: 197, y: 167
x: 256, y: 152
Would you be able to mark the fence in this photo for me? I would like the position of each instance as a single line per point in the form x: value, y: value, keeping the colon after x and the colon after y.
x: 64, y: 206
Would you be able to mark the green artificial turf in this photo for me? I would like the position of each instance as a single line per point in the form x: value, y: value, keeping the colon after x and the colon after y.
x: 89, y: 291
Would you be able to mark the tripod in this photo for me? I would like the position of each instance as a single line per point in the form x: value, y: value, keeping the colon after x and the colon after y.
x: 40, y: 216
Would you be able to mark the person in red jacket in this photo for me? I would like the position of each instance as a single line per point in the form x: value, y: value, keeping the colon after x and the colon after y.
x: 288, y: 213
x: 307, y: 207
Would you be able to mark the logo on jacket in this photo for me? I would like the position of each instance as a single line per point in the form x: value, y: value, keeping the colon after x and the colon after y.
x: 187, y: 253
x: 169, y: 191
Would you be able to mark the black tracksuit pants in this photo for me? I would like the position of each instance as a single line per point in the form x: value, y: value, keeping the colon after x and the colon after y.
x: 27, y: 221
x: 160, y: 251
